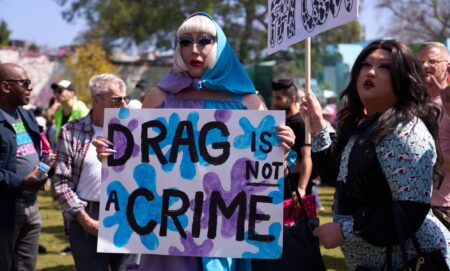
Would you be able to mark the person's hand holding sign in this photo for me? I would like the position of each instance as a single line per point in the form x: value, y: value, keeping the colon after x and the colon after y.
x: 310, y: 106
x: 103, y: 147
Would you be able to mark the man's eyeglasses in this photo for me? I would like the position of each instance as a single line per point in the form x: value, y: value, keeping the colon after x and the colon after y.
x: 21, y: 82
x: 433, y: 62
x: 116, y: 100
x: 203, y: 40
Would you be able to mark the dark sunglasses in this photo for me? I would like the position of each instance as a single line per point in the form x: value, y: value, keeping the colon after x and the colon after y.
x: 21, y: 82
x: 116, y: 100
x: 203, y: 40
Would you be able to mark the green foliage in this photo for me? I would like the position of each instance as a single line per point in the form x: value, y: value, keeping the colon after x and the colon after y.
x: 4, y: 33
x: 33, y: 47
x: 83, y: 63
x: 153, y: 23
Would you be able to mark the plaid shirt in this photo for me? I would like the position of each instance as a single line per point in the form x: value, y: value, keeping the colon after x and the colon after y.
x: 73, y: 143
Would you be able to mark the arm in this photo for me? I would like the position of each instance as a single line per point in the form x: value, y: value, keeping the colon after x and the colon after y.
x: 253, y: 102
x: 11, y: 182
x: 154, y: 98
x: 323, y: 157
x: 445, y: 98
x: 305, y: 169
x: 64, y: 181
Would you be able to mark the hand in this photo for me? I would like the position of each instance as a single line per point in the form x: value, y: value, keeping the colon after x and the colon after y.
x: 31, y: 181
x: 287, y: 137
x: 330, y: 235
x: 102, y: 147
x: 88, y: 224
x: 294, y: 196
x: 310, y: 106
x: 52, y: 159
x: 445, y: 98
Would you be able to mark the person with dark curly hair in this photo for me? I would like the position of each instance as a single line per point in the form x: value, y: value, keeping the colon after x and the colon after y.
x: 383, y: 161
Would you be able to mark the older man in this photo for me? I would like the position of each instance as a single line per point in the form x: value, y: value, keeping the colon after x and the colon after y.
x: 78, y: 176
x: 20, y: 148
x: 435, y: 59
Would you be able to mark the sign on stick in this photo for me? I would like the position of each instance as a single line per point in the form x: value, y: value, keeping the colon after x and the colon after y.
x: 291, y: 21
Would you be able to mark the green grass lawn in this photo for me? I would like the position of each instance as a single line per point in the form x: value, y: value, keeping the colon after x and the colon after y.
x: 53, y: 238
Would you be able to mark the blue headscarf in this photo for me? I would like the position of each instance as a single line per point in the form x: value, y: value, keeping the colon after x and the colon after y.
x: 227, y: 75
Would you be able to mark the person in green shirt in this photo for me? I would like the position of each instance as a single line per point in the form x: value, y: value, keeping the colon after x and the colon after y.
x: 70, y: 107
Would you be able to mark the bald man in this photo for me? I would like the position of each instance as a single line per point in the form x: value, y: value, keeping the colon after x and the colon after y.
x: 20, y: 147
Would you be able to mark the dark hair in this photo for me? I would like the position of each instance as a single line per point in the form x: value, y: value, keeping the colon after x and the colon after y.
x: 142, y: 84
x: 38, y: 111
x: 413, y: 99
x: 286, y: 86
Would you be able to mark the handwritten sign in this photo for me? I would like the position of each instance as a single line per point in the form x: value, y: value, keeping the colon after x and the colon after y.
x: 193, y: 183
x: 291, y: 21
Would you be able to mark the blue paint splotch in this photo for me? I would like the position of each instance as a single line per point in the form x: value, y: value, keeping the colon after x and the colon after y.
x: 191, y: 248
x: 212, y: 182
x: 120, y: 142
x: 144, y: 210
x: 244, y: 141
x: 124, y: 113
x: 278, y: 195
x: 271, y: 249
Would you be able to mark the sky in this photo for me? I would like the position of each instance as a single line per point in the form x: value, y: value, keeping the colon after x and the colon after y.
x: 41, y: 22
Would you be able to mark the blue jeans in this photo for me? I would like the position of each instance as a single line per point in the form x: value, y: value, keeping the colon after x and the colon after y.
x: 84, y: 251
x: 19, y: 247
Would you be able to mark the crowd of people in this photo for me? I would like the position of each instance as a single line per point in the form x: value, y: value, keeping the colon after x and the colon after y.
x: 387, y: 151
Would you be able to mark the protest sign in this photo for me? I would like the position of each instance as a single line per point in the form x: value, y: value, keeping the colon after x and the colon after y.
x: 192, y: 183
x: 291, y: 21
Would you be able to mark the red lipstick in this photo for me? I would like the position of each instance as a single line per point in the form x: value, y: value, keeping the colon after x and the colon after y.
x: 195, y: 63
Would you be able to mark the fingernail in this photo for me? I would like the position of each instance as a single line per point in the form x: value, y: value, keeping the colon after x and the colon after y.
x: 111, y: 151
x: 104, y: 144
x: 109, y: 142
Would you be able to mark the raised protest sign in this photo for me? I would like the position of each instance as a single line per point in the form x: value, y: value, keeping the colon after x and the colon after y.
x: 291, y: 21
x: 193, y: 183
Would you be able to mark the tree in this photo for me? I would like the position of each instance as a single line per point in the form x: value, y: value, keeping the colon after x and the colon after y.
x: 83, y: 63
x: 4, y: 33
x: 152, y: 23
x: 417, y: 20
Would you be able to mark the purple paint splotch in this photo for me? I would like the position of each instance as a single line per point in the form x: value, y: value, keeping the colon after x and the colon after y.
x: 120, y: 142
x: 212, y: 182
x: 191, y: 248
x: 222, y: 115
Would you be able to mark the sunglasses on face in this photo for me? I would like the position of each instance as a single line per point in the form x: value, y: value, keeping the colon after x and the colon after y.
x: 203, y: 40
x: 432, y: 62
x: 117, y: 100
x: 21, y: 82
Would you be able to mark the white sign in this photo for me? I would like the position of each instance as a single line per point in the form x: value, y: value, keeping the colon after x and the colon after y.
x: 291, y: 21
x: 193, y: 183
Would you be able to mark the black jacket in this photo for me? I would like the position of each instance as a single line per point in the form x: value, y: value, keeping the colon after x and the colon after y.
x: 11, y: 183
